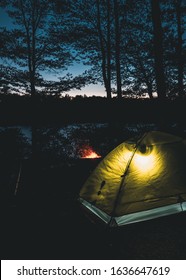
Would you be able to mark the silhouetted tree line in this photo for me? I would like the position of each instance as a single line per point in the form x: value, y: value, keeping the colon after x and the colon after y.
x: 132, y: 47
x: 15, y: 109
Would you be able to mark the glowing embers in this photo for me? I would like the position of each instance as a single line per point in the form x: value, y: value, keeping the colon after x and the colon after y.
x: 91, y: 154
x: 88, y: 152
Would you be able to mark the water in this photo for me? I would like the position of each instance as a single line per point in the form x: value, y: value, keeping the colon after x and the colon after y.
x: 70, y: 141
x: 101, y: 138
x: 25, y: 131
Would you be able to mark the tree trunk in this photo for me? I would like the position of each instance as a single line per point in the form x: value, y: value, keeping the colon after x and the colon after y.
x: 179, y: 48
x: 103, y: 52
x: 146, y: 78
x: 117, y: 49
x: 149, y: 89
x: 158, y: 49
x: 108, y: 52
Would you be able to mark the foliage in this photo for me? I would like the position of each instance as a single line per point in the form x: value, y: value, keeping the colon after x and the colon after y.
x: 114, y: 39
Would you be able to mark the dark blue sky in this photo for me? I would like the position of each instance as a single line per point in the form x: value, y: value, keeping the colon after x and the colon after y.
x: 4, y: 19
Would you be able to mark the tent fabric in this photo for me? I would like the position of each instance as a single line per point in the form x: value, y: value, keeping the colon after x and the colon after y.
x: 138, y: 176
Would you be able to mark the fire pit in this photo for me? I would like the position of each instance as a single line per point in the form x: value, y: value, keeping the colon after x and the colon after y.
x: 89, y: 157
x: 88, y: 153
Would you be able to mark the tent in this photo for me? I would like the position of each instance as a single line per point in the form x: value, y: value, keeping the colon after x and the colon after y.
x: 140, y: 179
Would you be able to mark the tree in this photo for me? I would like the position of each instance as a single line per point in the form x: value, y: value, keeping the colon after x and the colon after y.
x: 117, y: 47
x: 105, y: 50
x: 90, y: 31
x: 174, y: 46
x: 96, y: 41
x: 180, y: 56
x: 12, y: 80
x: 109, y: 48
x: 32, y: 48
x: 158, y: 49
x: 138, y: 49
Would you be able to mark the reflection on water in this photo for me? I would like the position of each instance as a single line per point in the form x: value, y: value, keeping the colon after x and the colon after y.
x: 77, y: 140
x: 25, y: 131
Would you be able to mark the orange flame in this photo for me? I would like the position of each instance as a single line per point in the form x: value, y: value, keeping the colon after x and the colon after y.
x: 89, y: 153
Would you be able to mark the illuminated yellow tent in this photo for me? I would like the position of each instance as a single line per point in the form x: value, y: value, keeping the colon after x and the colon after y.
x: 139, y: 180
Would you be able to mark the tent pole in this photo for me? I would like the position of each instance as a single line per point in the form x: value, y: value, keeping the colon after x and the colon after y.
x: 123, y: 178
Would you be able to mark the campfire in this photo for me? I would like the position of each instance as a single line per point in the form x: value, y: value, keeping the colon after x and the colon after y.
x: 88, y: 152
